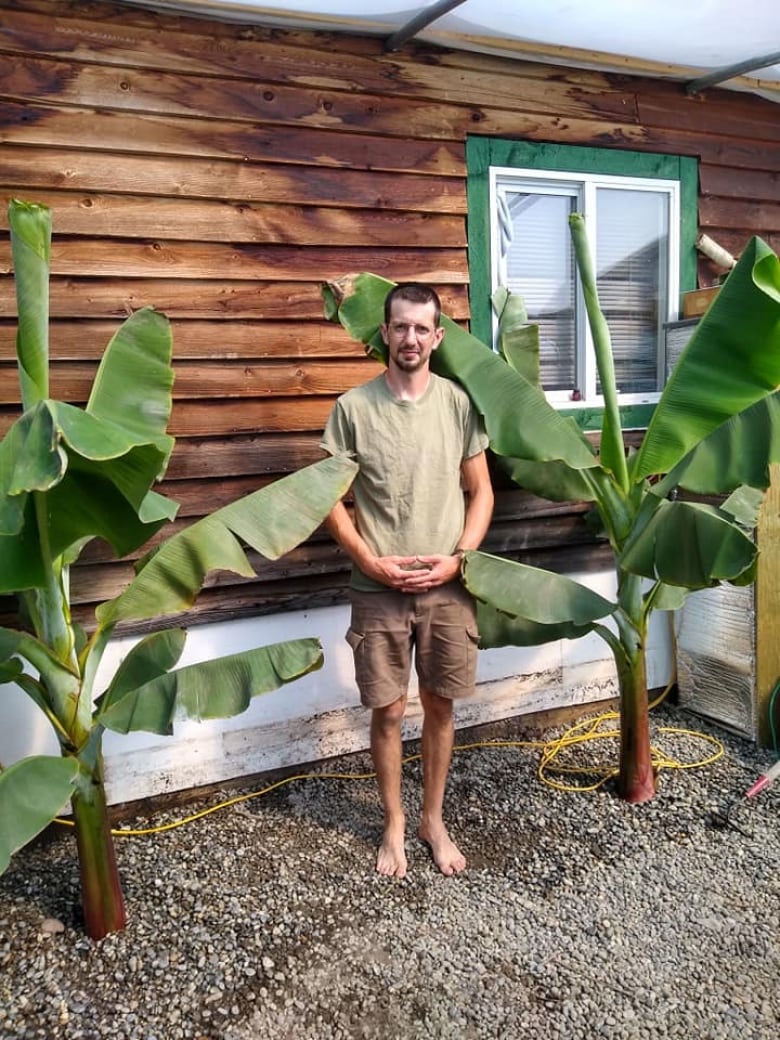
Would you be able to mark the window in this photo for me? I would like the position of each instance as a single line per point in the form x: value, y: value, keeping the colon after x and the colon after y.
x: 633, y: 209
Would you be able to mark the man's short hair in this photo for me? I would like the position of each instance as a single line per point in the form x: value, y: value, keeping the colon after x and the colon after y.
x: 413, y: 292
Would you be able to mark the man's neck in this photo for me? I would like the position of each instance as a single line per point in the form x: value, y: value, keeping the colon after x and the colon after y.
x: 407, y: 386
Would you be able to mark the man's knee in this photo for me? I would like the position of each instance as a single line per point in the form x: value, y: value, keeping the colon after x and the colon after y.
x: 435, y: 706
x: 390, y: 716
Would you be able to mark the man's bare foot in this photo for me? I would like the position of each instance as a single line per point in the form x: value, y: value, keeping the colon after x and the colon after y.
x: 391, y: 857
x: 446, y: 854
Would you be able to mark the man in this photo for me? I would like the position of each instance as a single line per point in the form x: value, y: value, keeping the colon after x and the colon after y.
x: 420, y: 446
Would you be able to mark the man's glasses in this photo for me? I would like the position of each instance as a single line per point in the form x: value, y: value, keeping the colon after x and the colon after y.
x: 400, y: 329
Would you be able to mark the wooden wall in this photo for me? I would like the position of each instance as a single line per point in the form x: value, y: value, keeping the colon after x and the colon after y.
x: 220, y: 172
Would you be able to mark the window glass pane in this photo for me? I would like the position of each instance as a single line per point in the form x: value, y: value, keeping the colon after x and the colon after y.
x: 632, y: 278
x: 538, y: 263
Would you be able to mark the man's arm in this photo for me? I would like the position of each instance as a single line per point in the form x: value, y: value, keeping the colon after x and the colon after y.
x: 479, y: 505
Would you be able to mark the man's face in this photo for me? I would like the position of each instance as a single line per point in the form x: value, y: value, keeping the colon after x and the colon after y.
x: 411, y: 335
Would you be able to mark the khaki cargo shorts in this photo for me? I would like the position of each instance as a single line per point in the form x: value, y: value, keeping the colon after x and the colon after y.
x: 437, y: 627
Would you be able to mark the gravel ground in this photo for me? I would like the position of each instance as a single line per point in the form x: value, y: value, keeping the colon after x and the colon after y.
x: 579, y: 917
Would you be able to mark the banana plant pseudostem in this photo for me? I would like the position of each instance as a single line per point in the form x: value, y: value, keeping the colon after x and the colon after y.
x: 68, y: 475
x: 714, y: 433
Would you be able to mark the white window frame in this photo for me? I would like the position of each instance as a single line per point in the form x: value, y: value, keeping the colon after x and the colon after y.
x: 583, y: 187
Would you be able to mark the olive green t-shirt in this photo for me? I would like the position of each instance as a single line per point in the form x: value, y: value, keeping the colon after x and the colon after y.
x: 408, y: 495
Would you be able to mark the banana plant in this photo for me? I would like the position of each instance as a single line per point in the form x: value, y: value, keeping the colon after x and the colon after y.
x: 712, y: 437
x: 68, y: 475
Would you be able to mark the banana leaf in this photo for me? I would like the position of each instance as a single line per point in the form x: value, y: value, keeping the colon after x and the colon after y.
x: 151, y: 657
x: 532, y: 594
x: 555, y: 481
x: 499, y: 629
x: 32, y: 792
x: 30, y: 226
x: 738, y: 452
x: 518, y: 339
x: 612, y: 449
x: 133, y: 385
x: 216, y: 689
x: 689, y: 544
x: 272, y: 521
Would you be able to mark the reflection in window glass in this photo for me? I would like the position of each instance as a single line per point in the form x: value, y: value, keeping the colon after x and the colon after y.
x: 539, y: 265
x: 631, y: 271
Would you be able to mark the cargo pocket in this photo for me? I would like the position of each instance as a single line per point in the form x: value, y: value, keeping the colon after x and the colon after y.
x: 357, y: 643
x: 472, y: 647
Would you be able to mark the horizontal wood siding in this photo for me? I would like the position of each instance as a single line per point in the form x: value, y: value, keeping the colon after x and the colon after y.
x: 221, y: 172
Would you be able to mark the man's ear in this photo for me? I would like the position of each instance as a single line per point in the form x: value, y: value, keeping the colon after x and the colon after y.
x: 383, y: 330
x: 439, y: 337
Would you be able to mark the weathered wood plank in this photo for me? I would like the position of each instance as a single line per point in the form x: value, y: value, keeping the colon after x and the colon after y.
x: 767, y: 603
x: 742, y: 214
x: 259, y: 456
x: 72, y: 381
x: 232, y: 261
x: 713, y: 148
x: 221, y: 179
x: 739, y: 184
x: 219, y: 300
x: 189, y: 220
x: 230, y: 418
x: 718, y: 112
x: 249, y: 340
x: 38, y: 124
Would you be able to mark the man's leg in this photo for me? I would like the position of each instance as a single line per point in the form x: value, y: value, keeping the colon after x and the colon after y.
x: 387, y: 754
x: 438, y: 736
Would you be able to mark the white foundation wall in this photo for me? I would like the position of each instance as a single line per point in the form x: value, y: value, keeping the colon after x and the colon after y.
x: 319, y: 716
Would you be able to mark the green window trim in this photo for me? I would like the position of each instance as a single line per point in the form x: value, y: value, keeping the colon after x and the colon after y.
x: 484, y: 152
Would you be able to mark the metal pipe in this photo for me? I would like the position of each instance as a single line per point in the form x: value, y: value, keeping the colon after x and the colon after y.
x: 720, y: 75
x: 419, y: 21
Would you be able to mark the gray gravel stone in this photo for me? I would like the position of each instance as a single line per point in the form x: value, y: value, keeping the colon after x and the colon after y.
x: 579, y: 917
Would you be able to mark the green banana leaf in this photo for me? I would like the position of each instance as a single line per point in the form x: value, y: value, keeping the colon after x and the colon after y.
x: 120, y: 440
x: 612, y: 450
x: 272, y: 521
x: 30, y: 226
x: 738, y: 452
x: 744, y: 505
x: 216, y: 689
x: 32, y: 792
x: 149, y: 659
x: 498, y: 629
x: 10, y: 670
x: 689, y: 544
x: 666, y: 597
x: 14, y: 642
x: 531, y: 594
x: 514, y: 410
x: 134, y: 381
x: 97, y: 480
x: 731, y: 362
x: 555, y: 481
x: 518, y: 339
